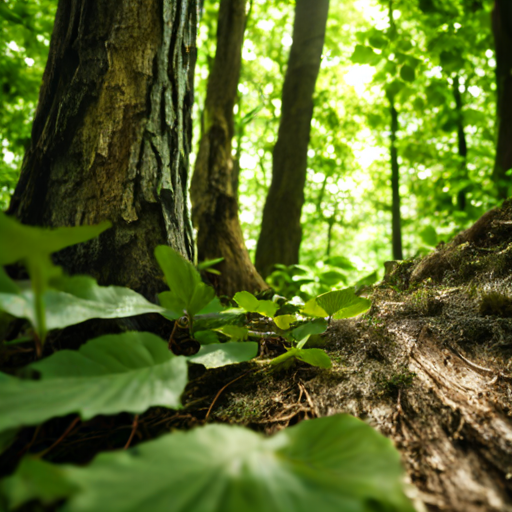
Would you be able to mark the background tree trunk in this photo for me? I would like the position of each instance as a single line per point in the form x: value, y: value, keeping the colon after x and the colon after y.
x: 502, y: 29
x: 214, y: 198
x: 396, y: 222
x: 461, y: 143
x: 112, y: 133
x: 281, y: 231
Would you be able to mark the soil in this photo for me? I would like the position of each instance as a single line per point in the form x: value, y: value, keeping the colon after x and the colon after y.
x: 429, y: 366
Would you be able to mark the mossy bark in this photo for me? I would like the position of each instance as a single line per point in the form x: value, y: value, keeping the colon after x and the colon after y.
x: 281, y: 231
x: 213, y: 192
x: 112, y: 134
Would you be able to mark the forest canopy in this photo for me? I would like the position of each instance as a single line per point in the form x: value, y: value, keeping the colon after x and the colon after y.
x: 439, y: 60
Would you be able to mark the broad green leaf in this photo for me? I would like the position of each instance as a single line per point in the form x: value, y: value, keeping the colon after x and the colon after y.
x: 37, y: 479
x: 236, y: 332
x: 247, y: 301
x: 213, y: 306
x: 188, y: 293
x: 29, y: 242
x: 33, y: 246
x: 206, y: 337
x: 315, y: 357
x: 317, y: 326
x: 267, y: 308
x: 312, y: 356
x: 332, y: 464
x: 364, y: 55
x: 127, y: 372
x: 251, y: 304
x: 77, y: 299
x: 332, y: 277
x: 222, y: 354
x: 339, y: 304
x: 284, y: 322
x: 232, y: 316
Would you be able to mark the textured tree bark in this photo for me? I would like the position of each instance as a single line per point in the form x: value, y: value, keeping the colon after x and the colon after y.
x: 461, y: 142
x: 502, y: 29
x: 281, y: 231
x: 112, y: 134
x: 214, y: 197
x: 396, y: 222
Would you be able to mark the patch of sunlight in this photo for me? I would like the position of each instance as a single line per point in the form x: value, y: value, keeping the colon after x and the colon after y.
x: 287, y: 41
x: 266, y: 25
x: 319, y: 177
x: 474, y: 90
x: 248, y: 161
x: 367, y: 155
x: 29, y: 62
x: 374, y: 13
x: 424, y: 174
x: 247, y: 216
x: 358, y: 76
x: 13, y: 46
x: 8, y: 156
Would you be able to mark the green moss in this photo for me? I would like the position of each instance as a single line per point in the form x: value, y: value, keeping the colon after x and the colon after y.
x: 496, y: 303
x: 392, y: 384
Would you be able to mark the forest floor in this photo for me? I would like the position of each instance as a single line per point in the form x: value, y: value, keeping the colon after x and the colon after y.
x: 429, y: 366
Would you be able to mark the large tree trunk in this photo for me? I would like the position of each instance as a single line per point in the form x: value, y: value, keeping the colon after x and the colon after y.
x: 281, y: 231
x: 502, y: 29
x: 396, y: 221
x: 112, y: 133
x: 214, y: 199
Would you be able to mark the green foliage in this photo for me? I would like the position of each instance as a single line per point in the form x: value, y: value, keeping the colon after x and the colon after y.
x: 32, y: 246
x: 188, y: 295
x: 329, y: 464
x: 251, y: 304
x: 136, y: 368
x: 73, y: 300
x: 312, y: 356
x: 337, y: 304
x: 216, y: 355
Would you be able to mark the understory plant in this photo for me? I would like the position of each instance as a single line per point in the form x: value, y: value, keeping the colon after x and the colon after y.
x: 329, y: 464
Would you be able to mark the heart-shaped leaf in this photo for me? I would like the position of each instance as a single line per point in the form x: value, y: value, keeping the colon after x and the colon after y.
x: 338, y: 304
x: 312, y: 356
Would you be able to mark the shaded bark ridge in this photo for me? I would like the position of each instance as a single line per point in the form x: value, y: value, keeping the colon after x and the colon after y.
x: 112, y: 135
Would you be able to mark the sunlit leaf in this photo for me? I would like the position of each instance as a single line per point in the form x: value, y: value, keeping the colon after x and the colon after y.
x: 206, y: 337
x: 247, y: 301
x: 284, y: 322
x: 127, y: 372
x: 236, y: 332
x: 339, y: 304
x: 331, y: 464
x: 251, y: 304
x: 222, y: 354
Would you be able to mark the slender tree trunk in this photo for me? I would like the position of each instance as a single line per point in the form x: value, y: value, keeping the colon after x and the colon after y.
x: 502, y: 29
x: 112, y: 133
x: 396, y: 222
x: 462, y: 143
x: 214, y: 198
x: 281, y: 231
